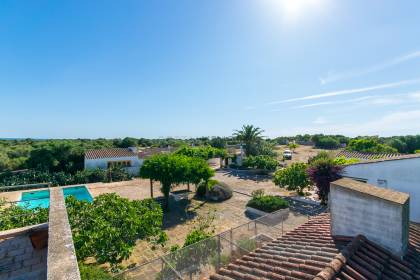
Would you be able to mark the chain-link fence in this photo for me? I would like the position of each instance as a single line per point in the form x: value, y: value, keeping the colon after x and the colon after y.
x: 204, y: 258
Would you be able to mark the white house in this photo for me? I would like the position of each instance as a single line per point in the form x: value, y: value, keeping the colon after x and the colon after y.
x: 126, y: 158
x: 400, y: 173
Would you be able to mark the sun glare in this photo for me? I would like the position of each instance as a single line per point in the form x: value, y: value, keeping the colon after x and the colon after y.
x: 295, y: 10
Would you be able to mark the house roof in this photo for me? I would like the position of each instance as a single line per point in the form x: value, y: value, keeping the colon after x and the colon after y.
x: 310, y: 252
x: 109, y: 153
x: 372, y: 158
x: 382, y: 193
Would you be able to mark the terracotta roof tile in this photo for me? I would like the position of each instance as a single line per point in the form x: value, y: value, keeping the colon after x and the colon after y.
x: 310, y: 252
x: 109, y: 153
x: 371, y: 157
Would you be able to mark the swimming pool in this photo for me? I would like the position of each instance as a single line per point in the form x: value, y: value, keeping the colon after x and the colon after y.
x: 42, y: 198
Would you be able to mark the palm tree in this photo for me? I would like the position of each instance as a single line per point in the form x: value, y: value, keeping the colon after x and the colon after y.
x: 249, y: 135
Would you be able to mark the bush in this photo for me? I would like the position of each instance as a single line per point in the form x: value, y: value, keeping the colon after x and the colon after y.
x: 293, y: 177
x: 93, y: 272
x: 370, y: 145
x: 62, y: 178
x: 343, y: 160
x: 417, y: 151
x: 15, y: 216
x: 267, y: 203
x: 260, y: 162
x: 108, y: 228
x: 326, y: 142
x: 322, y: 172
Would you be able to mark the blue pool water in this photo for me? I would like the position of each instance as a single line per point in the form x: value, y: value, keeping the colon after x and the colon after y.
x: 42, y: 198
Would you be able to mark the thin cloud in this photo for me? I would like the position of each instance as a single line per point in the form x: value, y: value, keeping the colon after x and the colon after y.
x: 354, y: 100
x: 333, y: 77
x: 348, y: 91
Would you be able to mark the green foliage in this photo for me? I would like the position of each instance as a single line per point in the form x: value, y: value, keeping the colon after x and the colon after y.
x: 204, y: 152
x: 108, y: 228
x: 218, y: 142
x: 175, y: 169
x: 267, y: 203
x: 62, y: 178
x: 369, y: 145
x: 250, y: 136
x: 343, y: 160
x: 94, y: 272
x: 417, y: 151
x: 293, y: 177
x: 13, y: 216
x: 292, y: 146
x: 260, y: 162
x: 327, y: 142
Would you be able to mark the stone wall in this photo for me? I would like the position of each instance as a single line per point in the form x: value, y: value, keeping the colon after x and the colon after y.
x: 18, y: 259
x: 379, y: 214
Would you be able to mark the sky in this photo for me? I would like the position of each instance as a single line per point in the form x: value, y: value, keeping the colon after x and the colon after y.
x: 187, y: 68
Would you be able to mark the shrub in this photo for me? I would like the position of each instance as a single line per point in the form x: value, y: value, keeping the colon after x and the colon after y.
x: 260, y: 162
x: 417, y: 151
x: 343, y: 160
x: 326, y: 142
x: 14, y: 216
x: 267, y: 203
x: 369, y: 145
x: 108, y: 228
x: 322, y: 172
x: 293, y: 177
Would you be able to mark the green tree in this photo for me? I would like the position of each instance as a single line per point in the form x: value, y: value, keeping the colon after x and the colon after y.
x: 369, y: 145
x: 250, y: 136
x: 174, y: 169
x: 265, y: 163
x: 108, y: 228
x: 14, y: 216
x: 292, y: 146
x: 293, y: 177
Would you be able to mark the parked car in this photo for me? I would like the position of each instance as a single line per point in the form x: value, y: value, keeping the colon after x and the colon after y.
x: 287, y: 154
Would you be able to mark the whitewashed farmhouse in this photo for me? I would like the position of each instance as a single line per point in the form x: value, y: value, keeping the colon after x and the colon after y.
x: 126, y: 158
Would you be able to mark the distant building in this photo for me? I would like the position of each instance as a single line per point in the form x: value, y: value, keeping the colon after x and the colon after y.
x: 130, y: 158
x: 126, y: 158
x: 396, y: 171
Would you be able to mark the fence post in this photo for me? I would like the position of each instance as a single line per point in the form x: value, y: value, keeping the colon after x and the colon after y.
x: 255, y: 227
x: 218, y: 253
x: 231, y: 240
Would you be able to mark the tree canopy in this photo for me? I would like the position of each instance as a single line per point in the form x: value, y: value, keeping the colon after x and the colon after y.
x: 249, y: 135
x: 174, y: 169
x: 108, y: 228
x: 293, y: 177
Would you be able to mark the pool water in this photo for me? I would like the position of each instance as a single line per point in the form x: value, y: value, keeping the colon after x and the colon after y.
x: 42, y: 198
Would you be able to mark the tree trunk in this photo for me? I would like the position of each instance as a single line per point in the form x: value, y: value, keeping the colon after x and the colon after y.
x: 151, y: 188
x: 188, y: 186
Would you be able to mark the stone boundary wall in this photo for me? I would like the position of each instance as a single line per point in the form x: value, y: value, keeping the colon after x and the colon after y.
x: 62, y: 261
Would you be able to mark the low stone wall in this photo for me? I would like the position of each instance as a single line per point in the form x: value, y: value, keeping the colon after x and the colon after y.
x: 19, y: 260
x: 62, y: 261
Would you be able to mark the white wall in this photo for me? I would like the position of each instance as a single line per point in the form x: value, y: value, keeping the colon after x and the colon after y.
x: 401, y: 175
x: 102, y: 163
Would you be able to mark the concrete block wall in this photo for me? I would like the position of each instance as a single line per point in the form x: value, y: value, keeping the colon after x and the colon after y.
x: 18, y: 259
x: 379, y: 214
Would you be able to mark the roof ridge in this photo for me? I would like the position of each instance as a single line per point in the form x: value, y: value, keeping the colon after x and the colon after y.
x: 335, y: 266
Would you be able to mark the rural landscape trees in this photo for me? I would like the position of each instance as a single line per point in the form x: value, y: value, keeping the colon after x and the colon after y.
x: 174, y: 169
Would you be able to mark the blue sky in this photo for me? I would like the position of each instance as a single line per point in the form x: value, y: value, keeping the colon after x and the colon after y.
x: 190, y: 68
